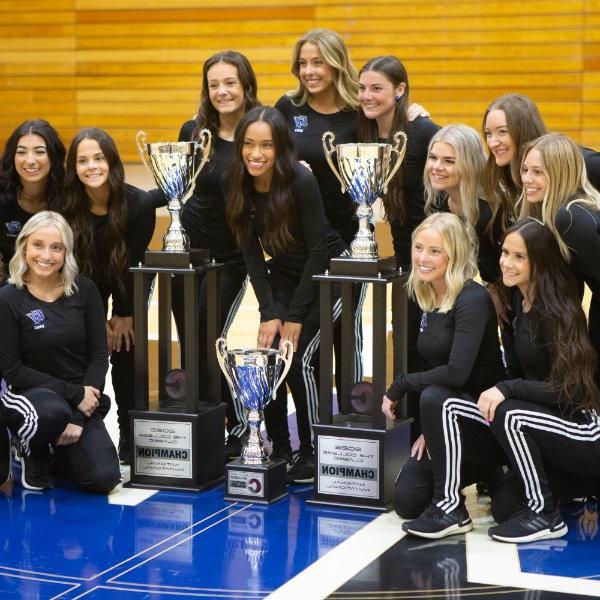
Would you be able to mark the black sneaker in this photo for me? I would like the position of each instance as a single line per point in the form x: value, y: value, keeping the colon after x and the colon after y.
x: 281, y: 452
x: 528, y: 526
x: 434, y: 523
x: 302, y: 468
x: 5, y: 456
x: 35, y: 473
x: 233, y: 447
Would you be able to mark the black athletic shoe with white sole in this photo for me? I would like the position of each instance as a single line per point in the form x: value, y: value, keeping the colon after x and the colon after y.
x: 528, y: 526
x: 35, y: 472
x: 434, y: 523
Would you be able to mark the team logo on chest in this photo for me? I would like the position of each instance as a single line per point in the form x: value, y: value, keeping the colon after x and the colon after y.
x: 37, y: 316
x: 12, y: 228
x: 423, y: 324
x: 301, y: 123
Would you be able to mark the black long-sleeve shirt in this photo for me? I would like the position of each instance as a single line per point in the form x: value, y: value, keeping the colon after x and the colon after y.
x: 314, y: 243
x: 307, y: 127
x: 528, y: 357
x: 460, y: 348
x: 58, y: 345
x: 141, y: 219
x: 420, y: 131
x: 12, y: 219
x: 579, y: 227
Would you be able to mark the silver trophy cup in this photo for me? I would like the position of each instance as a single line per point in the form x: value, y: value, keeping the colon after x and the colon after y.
x: 254, y: 376
x: 175, y: 166
x: 364, y: 171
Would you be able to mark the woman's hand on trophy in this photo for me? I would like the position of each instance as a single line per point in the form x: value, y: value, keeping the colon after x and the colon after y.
x: 267, y: 332
x: 291, y: 332
x: 387, y: 408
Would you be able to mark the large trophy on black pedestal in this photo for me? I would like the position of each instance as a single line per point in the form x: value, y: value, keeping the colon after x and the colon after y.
x: 182, y: 448
x: 358, y: 455
x: 364, y: 172
x: 254, y: 376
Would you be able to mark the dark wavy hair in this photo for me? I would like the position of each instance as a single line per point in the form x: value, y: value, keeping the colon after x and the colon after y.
x: 279, y: 210
x: 207, y: 115
x: 556, y: 308
x: 502, y: 185
x: 77, y: 206
x: 10, y: 182
x: 393, y: 70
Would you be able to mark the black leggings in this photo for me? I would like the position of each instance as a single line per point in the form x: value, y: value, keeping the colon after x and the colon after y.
x: 37, y: 416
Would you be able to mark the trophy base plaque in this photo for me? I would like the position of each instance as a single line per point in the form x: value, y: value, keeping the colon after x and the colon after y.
x: 362, y: 267
x: 259, y: 484
x: 177, y: 451
x: 356, y: 465
x: 197, y: 257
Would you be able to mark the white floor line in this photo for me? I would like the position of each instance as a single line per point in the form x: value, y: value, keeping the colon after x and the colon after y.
x: 483, y: 552
x: 341, y: 563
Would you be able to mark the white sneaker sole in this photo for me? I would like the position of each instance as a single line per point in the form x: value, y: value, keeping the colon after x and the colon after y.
x: 545, y: 534
x: 436, y: 535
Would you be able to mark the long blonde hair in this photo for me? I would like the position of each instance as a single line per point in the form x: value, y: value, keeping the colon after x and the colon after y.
x: 460, y: 252
x: 470, y: 159
x: 567, y: 183
x: 335, y: 53
x: 18, y: 263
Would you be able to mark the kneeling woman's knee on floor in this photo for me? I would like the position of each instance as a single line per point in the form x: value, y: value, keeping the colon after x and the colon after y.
x: 413, y: 488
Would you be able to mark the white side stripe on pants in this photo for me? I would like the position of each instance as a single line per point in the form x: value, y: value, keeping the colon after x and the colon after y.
x: 514, y: 423
x: 30, y: 417
x: 451, y: 410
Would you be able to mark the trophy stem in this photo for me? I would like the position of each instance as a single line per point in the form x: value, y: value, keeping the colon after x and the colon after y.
x: 363, y: 245
x: 176, y: 239
x: 254, y: 452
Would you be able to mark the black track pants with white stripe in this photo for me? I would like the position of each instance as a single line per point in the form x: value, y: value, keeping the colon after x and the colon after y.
x: 303, y: 376
x: 453, y: 428
x: 532, y: 434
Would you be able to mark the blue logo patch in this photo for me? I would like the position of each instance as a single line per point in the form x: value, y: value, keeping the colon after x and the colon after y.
x: 423, y: 324
x: 13, y: 228
x: 37, y: 316
x: 301, y: 123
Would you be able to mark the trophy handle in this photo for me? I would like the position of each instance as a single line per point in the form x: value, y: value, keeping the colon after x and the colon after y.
x: 287, y: 352
x: 204, y: 142
x: 141, y: 141
x: 329, y: 148
x: 399, y: 152
x: 221, y: 346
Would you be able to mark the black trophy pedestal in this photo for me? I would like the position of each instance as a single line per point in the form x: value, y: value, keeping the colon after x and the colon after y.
x: 177, y: 451
x: 260, y: 484
x: 356, y: 464
x: 196, y: 257
x: 362, y: 267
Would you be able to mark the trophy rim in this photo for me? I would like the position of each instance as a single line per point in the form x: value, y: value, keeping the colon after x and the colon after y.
x: 171, y: 148
x: 249, y: 351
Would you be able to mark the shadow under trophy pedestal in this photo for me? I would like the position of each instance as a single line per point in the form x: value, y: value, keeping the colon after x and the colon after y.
x: 254, y: 376
x: 183, y: 447
x: 364, y: 172
x: 357, y: 454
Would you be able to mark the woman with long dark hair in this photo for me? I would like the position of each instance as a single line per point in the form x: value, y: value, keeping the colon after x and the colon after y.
x: 383, y: 95
x: 547, y: 413
x: 112, y: 223
x: 274, y: 205
x: 53, y: 357
x: 229, y: 90
x: 31, y: 180
x: 458, y: 344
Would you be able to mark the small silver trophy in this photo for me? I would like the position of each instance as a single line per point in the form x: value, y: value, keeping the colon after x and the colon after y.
x: 254, y: 376
x: 175, y: 166
x: 364, y: 171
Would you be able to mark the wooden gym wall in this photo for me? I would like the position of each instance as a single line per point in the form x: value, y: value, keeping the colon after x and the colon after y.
x: 135, y: 64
